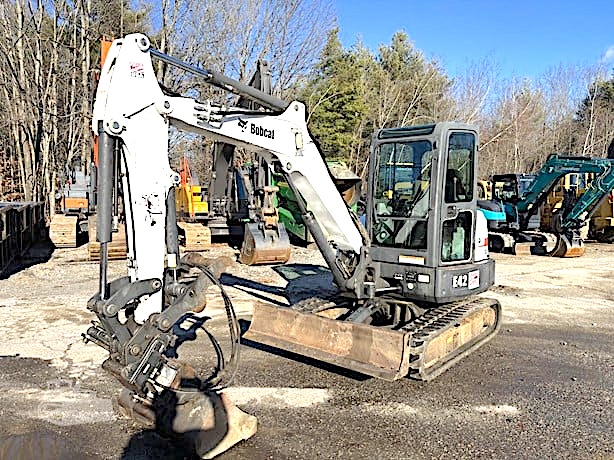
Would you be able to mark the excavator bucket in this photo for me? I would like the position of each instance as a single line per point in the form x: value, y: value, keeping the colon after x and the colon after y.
x: 421, y: 350
x: 205, y: 424
x: 265, y: 246
x: 568, y: 247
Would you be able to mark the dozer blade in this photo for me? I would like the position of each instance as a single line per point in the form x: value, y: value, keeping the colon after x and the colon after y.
x: 262, y: 246
x: 204, y: 424
x: 423, y: 349
x: 568, y: 247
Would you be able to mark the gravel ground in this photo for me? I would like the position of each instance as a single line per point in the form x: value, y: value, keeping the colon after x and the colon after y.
x: 543, y: 388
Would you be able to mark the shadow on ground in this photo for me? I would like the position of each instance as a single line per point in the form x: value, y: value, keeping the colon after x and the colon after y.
x: 38, y: 253
x: 303, y: 282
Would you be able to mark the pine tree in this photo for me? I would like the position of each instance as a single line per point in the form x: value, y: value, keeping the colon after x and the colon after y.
x: 334, y: 102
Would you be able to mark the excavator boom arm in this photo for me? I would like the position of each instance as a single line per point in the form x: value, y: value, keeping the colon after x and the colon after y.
x: 131, y: 106
x: 592, y: 196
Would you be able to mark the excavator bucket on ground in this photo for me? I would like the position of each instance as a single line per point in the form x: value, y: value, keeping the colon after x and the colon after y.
x: 264, y: 246
x: 421, y: 349
x: 568, y: 247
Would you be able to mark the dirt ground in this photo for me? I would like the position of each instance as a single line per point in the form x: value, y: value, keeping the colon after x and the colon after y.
x: 543, y: 388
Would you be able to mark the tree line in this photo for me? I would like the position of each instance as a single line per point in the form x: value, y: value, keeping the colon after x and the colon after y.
x: 49, y: 60
x: 353, y: 91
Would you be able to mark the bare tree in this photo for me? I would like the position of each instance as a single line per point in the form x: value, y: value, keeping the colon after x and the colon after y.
x: 473, y: 91
x: 231, y: 37
x: 512, y: 138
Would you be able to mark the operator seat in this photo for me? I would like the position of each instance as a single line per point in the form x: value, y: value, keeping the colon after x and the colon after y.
x: 455, y: 191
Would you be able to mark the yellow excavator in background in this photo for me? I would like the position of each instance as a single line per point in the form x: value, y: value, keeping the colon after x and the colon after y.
x: 192, y: 211
x: 570, y: 186
x: 484, y: 190
x: 602, y: 222
x: 600, y: 227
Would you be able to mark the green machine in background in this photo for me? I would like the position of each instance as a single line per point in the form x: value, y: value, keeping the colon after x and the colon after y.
x: 347, y: 182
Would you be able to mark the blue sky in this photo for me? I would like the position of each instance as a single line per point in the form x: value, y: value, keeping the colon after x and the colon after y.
x: 524, y: 37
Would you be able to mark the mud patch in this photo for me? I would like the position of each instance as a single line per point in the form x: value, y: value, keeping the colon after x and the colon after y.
x: 507, y: 290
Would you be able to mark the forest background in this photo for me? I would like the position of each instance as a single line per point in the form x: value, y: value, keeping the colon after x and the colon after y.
x: 50, y: 53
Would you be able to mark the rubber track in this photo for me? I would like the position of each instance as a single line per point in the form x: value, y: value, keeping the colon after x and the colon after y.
x: 431, y: 324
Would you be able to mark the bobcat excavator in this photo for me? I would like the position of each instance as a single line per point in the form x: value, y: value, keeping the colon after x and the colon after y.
x: 407, y: 282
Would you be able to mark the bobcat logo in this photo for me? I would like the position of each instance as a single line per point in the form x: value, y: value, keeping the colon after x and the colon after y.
x: 242, y: 124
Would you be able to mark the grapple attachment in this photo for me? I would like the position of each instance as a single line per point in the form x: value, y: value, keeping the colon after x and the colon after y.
x: 160, y: 389
x: 421, y: 349
x: 265, y: 246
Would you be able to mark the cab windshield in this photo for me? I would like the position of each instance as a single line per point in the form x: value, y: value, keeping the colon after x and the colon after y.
x: 403, y: 187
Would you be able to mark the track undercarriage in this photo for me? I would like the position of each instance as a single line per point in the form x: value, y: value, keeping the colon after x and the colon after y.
x: 537, y: 243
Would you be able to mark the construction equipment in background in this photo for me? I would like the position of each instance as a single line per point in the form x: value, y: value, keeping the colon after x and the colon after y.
x: 571, y: 183
x: 502, y: 216
x: 240, y: 202
x: 192, y: 211
x: 484, y: 190
x: 568, y: 191
x: 68, y: 225
x: 243, y: 206
x: 520, y: 198
x: 573, y: 219
x: 347, y: 182
x: 74, y: 221
x: 602, y: 221
x: 251, y: 192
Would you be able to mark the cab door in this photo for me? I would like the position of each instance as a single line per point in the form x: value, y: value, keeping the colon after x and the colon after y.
x: 458, y: 205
